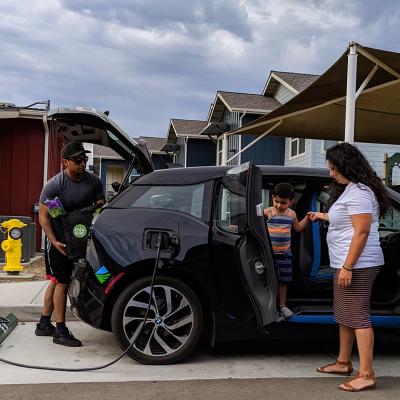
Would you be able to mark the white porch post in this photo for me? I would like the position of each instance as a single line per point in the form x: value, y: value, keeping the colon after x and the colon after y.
x: 351, y: 94
x: 45, y: 164
x: 224, y: 148
x: 186, y: 144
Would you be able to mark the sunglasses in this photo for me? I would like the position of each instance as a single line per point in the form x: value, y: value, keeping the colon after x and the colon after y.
x: 80, y: 160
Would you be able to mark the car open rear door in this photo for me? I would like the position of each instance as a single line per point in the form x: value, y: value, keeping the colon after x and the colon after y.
x: 253, y: 251
x: 84, y: 124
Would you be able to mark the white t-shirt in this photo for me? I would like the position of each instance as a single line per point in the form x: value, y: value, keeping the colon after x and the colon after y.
x: 356, y: 199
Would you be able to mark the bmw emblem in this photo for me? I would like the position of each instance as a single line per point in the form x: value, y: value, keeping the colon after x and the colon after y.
x: 158, y: 321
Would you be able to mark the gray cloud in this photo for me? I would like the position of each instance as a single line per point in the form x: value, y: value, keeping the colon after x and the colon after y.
x: 147, y: 61
x: 193, y: 16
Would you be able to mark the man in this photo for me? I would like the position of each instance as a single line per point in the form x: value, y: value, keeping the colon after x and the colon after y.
x: 77, y: 189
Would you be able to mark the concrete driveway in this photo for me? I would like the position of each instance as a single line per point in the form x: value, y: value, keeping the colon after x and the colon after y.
x: 233, y: 361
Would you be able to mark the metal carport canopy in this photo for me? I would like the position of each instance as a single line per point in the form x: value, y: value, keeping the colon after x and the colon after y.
x: 319, y: 112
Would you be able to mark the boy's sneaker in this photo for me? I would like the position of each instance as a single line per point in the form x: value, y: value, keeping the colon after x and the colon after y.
x: 66, y: 338
x: 286, y: 312
x: 47, y: 330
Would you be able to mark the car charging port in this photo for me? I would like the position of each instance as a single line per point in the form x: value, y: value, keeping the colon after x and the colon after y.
x: 169, y: 242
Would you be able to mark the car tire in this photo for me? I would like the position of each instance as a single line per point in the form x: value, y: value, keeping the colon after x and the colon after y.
x: 174, y: 324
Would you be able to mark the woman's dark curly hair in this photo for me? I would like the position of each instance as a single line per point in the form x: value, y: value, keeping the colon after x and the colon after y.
x: 351, y: 163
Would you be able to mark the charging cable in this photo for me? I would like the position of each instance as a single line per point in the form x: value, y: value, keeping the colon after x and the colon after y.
x: 133, y: 340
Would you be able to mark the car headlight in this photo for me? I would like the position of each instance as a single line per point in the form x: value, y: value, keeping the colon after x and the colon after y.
x: 15, y: 233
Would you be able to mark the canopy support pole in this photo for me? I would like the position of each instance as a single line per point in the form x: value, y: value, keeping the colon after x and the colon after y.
x: 254, y: 141
x: 351, y: 94
x: 366, y: 81
x: 378, y: 62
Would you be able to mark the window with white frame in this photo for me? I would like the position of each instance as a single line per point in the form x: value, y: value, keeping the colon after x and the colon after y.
x: 326, y: 144
x: 297, y: 146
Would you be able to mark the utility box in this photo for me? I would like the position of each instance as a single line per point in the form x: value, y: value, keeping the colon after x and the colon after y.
x: 28, y: 237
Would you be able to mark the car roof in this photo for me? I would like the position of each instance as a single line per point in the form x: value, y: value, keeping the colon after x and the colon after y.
x: 191, y: 175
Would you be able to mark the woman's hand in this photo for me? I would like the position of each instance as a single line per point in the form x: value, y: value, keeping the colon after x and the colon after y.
x: 315, y: 216
x: 344, y: 278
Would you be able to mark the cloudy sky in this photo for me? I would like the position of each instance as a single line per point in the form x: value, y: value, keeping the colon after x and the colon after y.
x: 147, y: 61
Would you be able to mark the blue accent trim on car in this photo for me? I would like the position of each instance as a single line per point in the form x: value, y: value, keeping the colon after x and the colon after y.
x: 102, y: 270
x: 388, y: 321
x: 323, y: 276
x: 316, y: 240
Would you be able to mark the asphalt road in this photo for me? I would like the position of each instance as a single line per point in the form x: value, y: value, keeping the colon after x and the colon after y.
x: 232, y: 389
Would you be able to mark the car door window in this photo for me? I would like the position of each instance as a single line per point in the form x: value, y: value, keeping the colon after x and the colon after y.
x: 188, y: 199
x: 391, y: 221
x: 230, y: 210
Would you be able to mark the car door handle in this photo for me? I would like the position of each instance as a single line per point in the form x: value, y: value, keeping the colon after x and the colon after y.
x: 259, y: 267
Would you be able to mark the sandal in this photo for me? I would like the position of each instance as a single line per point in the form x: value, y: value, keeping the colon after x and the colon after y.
x: 339, y: 372
x: 347, y: 387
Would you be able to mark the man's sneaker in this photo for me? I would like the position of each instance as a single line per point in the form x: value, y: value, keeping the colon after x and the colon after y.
x: 47, y: 330
x: 286, y: 312
x: 66, y: 339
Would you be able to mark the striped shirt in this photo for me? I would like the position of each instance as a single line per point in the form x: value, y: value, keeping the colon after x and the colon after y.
x: 279, y: 229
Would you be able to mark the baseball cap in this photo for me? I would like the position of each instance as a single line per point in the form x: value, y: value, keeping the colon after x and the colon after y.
x: 73, y: 149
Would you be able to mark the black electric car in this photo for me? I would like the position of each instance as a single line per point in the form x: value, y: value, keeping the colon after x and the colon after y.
x: 216, y: 276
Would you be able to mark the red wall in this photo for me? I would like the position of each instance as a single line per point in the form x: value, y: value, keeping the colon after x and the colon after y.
x: 21, y: 167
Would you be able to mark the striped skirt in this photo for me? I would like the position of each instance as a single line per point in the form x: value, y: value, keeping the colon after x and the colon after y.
x: 352, y: 304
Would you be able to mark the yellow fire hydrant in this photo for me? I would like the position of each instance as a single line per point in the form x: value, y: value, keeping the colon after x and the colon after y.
x: 12, y: 246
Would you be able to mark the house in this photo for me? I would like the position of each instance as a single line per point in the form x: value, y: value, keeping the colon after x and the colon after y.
x: 231, y: 110
x: 159, y: 157
x: 29, y: 156
x: 111, y: 167
x: 187, y: 146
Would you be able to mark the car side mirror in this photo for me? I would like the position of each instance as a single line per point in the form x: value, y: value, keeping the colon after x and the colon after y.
x: 116, y: 186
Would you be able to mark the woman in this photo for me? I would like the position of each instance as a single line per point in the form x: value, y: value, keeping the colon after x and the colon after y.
x: 357, y: 200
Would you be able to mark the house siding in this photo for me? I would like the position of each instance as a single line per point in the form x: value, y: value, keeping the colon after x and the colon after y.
x: 303, y: 160
x: 180, y: 159
x: 283, y: 94
x: 233, y: 119
x: 21, y: 168
x: 267, y: 151
x: 200, y: 152
x: 374, y: 153
x: 318, y: 156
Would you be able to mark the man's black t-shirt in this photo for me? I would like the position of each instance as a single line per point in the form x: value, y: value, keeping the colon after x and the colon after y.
x: 73, y: 195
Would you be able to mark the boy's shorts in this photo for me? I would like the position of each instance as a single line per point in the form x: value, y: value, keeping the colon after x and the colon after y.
x: 58, y: 267
x: 283, y: 264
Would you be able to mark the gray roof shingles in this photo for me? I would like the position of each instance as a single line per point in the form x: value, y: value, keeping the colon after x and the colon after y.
x: 296, y: 80
x: 249, y: 101
x: 153, y: 144
x: 188, y: 126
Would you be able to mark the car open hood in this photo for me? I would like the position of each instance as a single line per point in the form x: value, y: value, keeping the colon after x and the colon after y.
x: 85, y: 124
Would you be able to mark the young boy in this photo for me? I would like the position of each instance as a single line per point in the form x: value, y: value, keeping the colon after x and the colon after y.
x: 280, y: 220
